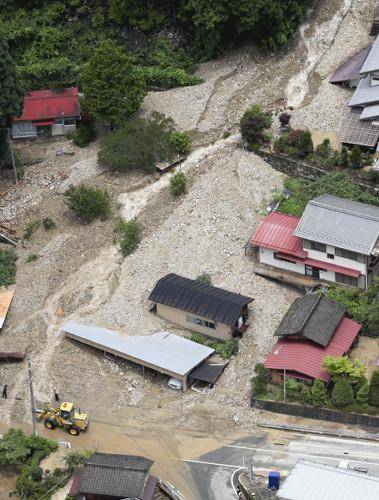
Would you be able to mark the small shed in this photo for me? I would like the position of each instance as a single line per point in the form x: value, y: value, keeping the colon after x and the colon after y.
x: 202, y: 308
x: 47, y: 112
x: 160, y: 351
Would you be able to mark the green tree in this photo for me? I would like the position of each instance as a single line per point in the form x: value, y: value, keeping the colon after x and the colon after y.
x: 178, y: 184
x: 181, y: 142
x: 11, y: 91
x: 260, y: 380
x: 131, y: 235
x: 138, y: 144
x: 112, y: 87
x: 319, y: 393
x: 88, y: 203
x: 342, y: 393
x: 363, y: 394
x: 344, y: 158
x: 373, y: 397
x: 305, y: 396
x: 356, y: 157
x: 343, y: 367
x: 254, y: 124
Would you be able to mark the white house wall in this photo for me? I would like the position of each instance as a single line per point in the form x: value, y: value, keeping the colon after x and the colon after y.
x: 266, y: 256
x: 339, y: 261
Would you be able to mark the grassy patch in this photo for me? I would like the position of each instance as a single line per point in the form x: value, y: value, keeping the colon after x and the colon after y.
x: 7, y: 267
x: 224, y: 349
x: 31, y: 228
x: 32, y: 258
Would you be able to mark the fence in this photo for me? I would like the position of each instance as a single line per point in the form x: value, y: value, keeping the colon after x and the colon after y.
x: 314, y: 412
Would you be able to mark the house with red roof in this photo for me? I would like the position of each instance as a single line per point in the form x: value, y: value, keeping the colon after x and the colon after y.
x: 313, y: 327
x: 47, y: 113
x: 335, y: 240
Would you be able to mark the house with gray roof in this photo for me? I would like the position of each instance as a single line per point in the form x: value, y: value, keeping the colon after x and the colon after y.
x: 336, y: 240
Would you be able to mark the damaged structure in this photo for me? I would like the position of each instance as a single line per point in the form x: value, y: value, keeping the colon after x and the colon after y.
x: 202, y: 308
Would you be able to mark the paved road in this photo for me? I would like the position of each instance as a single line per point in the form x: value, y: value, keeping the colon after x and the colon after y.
x: 212, y: 471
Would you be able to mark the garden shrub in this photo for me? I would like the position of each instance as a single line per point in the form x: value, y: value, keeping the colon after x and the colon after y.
x: 8, y: 260
x: 356, y: 157
x: 88, y: 203
x: 363, y: 394
x: 131, y: 236
x: 181, y: 142
x: 373, y: 397
x: 198, y: 338
x: 305, y: 395
x: 253, y: 125
x: 343, y: 367
x: 224, y: 349
x: 83, y: 135
x: 178, y: 184
x: 260, y: 380
x: 319, y: 393
x: 344, y: 157
x: 139, y: 144
x: 292, y: 388
x: 302, y: 141
x: 342, y: 393
x: 75, y: 458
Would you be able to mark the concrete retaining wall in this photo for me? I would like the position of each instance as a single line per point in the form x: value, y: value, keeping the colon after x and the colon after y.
x: 317, y: 413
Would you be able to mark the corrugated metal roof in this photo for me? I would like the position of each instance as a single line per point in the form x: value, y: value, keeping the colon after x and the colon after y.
x: 44, y: 104
x: 357, y: 131
x: 350, y: 69
x: 113, y: 475
x: 276, y: 231
x: 369, y: 112
x: 314, y: 481
x: 192, y: 296
x: 372, y: 61
x: 314, y: 316
x: 306, y: 357
x: 365, y: 93
x: 161, y: 349
x: 342, y: 223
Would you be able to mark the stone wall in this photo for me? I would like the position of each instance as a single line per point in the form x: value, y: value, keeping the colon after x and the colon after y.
x: 314, y: 412
x: 295, y: 168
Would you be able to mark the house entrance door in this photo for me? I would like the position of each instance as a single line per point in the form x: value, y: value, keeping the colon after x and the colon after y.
x: 314, y: 272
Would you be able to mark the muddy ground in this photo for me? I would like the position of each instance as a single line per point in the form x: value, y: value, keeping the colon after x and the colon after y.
x: 80, y: 273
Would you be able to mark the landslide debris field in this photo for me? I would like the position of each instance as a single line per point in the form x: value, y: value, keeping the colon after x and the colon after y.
x: 81, y: 275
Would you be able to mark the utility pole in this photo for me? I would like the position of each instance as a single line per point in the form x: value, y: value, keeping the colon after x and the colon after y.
x: 32, y: 404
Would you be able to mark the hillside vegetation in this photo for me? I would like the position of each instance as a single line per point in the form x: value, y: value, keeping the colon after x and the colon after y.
x: 51, y: 40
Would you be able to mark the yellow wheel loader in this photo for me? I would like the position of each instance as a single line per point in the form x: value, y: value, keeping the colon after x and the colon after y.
x: 65, y: 416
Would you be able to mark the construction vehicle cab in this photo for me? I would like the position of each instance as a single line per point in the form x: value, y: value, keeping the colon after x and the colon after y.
x: 65, y: 417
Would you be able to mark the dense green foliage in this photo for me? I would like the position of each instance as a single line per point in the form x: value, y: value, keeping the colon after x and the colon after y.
x: 74, y: 458
x: 83, y: 135
x: 139, y: 144
x: 254, y: 124
x: 363, y: 394
x: 343, y: 367
x: 342, y: 393
x: 356, y: 157
x: 7, y: 267
x: 11, y: 91
x: 224, y: 349
x: 48, y: 223
x: 88, y: 203
x: 373, y: 396
x: 260, y: 380
x: 362, y: 306
x: 52, y: 39
x: 319, y: 393
x: 131, y: 235
x: 335, y: 183
x: 112, y: 87
x: 181, y: 142
x: 178, y: 184
x: 296, y: 143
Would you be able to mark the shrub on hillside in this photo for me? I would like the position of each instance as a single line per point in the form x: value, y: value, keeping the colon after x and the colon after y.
x: 254, y: 125
x: 131, y: 235
x: 140, y: 144
x: 319, y: 393
x: 48, y: 223
x: 363, y: 394
x: 168, y: 78
x: 260, y: 380
x: 83, y: 135
x: 342, y: 393
x: 302, y: 141
x: 178, y: 184
x: 88, y: 203
x: 181, y: 142
x: 7, y: 267
x: 373, y: 397
x: 284, y: 119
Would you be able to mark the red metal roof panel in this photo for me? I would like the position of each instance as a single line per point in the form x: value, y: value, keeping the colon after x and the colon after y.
x: 54, y: 103
x: 306, y: 357
x: 276, y: 232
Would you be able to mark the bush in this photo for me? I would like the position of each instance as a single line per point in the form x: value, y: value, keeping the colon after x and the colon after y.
x: 293, y: 388
x: 302, y: 141
x: 32, y: 258
x: 363, y: 394
x: 342, y: 393
x: 319, y: 393
x: 224, y: 349
x: 48, y: 223
x: 305, y: 395
x: 168, y: 78
x: 254, y: 124
x: 181, y: 142
x: 74, y: 458
x: 178, y: 184
x: 260, y: 380
x: 88, y: 203
x: 17, y: 449
x: 198, y: 338
x: 140, y: 144
x: 373, y: 397
x: 343, y: 367
x: 204, y: 278
x: 344, y: 157
x: 284, y: 119
x: 131, y: 236
x: 31, y: 228
x: 356, y: 157
x: 8, y: 260
x: 83, y: 135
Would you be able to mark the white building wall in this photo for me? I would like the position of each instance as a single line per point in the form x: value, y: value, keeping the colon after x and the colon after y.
x: 266, y: 256
x: 339, y: 261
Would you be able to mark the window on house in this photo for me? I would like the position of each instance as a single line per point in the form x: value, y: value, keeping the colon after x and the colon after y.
x: 346, y: 280
x: 346, y: 254
x: 201, y: 322
x: 320, y: 247
x: 69, y: 121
